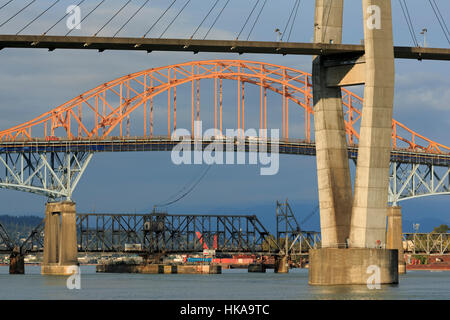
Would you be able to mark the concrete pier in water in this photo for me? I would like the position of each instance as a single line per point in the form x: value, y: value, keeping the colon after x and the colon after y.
x: 16, y: 262
x: 60, y: 239
x: 353, y: 227
x: 394, y: 236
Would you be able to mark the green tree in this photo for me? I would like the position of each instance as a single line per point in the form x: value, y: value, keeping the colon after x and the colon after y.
x: 443, y: 228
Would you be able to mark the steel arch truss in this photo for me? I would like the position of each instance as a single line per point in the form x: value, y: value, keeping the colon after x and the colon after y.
x: 51, y: 174
x: 413, y: 180
x: 125, y: 106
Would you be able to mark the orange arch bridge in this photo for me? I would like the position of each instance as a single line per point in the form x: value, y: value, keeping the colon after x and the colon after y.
x: 140, y: 111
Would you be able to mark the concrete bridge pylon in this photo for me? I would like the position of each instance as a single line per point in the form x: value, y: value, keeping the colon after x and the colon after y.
x: 60, y: 239
x: 353, y: 226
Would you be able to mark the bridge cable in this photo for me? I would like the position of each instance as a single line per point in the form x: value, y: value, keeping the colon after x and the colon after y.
x: 85, y: 17
x: 408, y: 22
x: 175, y: 18
x: 186, y: 186
x: 293, y: 21
x: 187, y: 192
x: 123, y: 7
x: 316, y: 209
x: 248, y: 18
x: 442, y: 23
x: 33, y: 1
x: 40, y: 15
x: 160, y: 17
x: 112, y: 18
x: 257, y: 18
x: 217, y: 18
x: 290, y: 17
x: 6, y: 4
x: 134, y: 14
x: 207, y: 15
x: 79, y: 4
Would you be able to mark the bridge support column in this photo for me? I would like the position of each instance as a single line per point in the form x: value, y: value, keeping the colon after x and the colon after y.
x: 333, y: 173
x: 281, y: 264
x: 368, y: 226
x: 364, y: 225
x: 332, y: 266
x: 394, y: 236
x: 60, y: 239
x: 16, y: 262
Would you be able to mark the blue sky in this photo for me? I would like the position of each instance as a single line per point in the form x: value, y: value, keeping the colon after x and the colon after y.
x: 35, y: 81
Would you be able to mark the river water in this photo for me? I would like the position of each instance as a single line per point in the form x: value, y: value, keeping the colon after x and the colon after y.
x: 234, y: 284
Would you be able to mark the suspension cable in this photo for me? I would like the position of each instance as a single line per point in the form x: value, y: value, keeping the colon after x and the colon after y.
x: 79, y: 4
x: 175, y: 18
x: 85, y: 17
x: 167, y: 203
x: 207, y: 15
x: 293, y: 21
x: 408, y: 22
x: 6, y: 4
x: 134, y: 14
x: 217, y: 18
x: 33, y: 1
x: 257, y: 18
x: 160, y: 17
x: 442, y: 23
x: 287, y: 23
x: 40, y: 15
x: 115, y: 15
x: 316, y: 209
x: 248, y: 18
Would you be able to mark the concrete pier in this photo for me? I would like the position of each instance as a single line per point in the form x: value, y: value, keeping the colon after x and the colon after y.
x: 257, y: 267
x: 368, y: 223
x: 332, y: 266
x: 333, y: 173
x: 353, y: 227
x: 60, y: 238
x: 394, y: 236
x: 281, y: 265
x: 16, y: 262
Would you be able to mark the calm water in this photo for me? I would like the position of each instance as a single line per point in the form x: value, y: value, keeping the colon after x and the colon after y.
x: 232, y: 284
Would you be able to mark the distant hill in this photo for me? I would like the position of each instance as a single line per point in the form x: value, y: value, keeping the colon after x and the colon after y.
x: 19, y: 227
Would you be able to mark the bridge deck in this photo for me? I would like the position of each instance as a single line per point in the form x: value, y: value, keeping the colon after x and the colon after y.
x: 293, y: 147
x: 190, y: 45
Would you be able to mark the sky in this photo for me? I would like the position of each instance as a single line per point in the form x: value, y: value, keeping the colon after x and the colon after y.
x: 35, y: 81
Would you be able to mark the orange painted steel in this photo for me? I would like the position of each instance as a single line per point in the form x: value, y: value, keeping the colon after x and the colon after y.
x: 95, y: 115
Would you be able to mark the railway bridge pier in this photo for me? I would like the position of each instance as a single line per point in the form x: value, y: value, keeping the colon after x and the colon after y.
x: 60, y: 239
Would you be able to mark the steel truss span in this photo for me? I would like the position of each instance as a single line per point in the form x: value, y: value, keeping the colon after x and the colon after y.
x: 141, y: 112
x: 427, y: 243
x: 164, y: 233
x: 414, y: 180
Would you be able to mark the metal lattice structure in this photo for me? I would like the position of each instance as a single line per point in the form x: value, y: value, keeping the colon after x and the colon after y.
x: 290, y: 237
x: 414, y: 180
x: 49, y: 154
x: 52, y: 174
x: 6, y: 245
x: 426, y: 243
x: 164, y: 233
